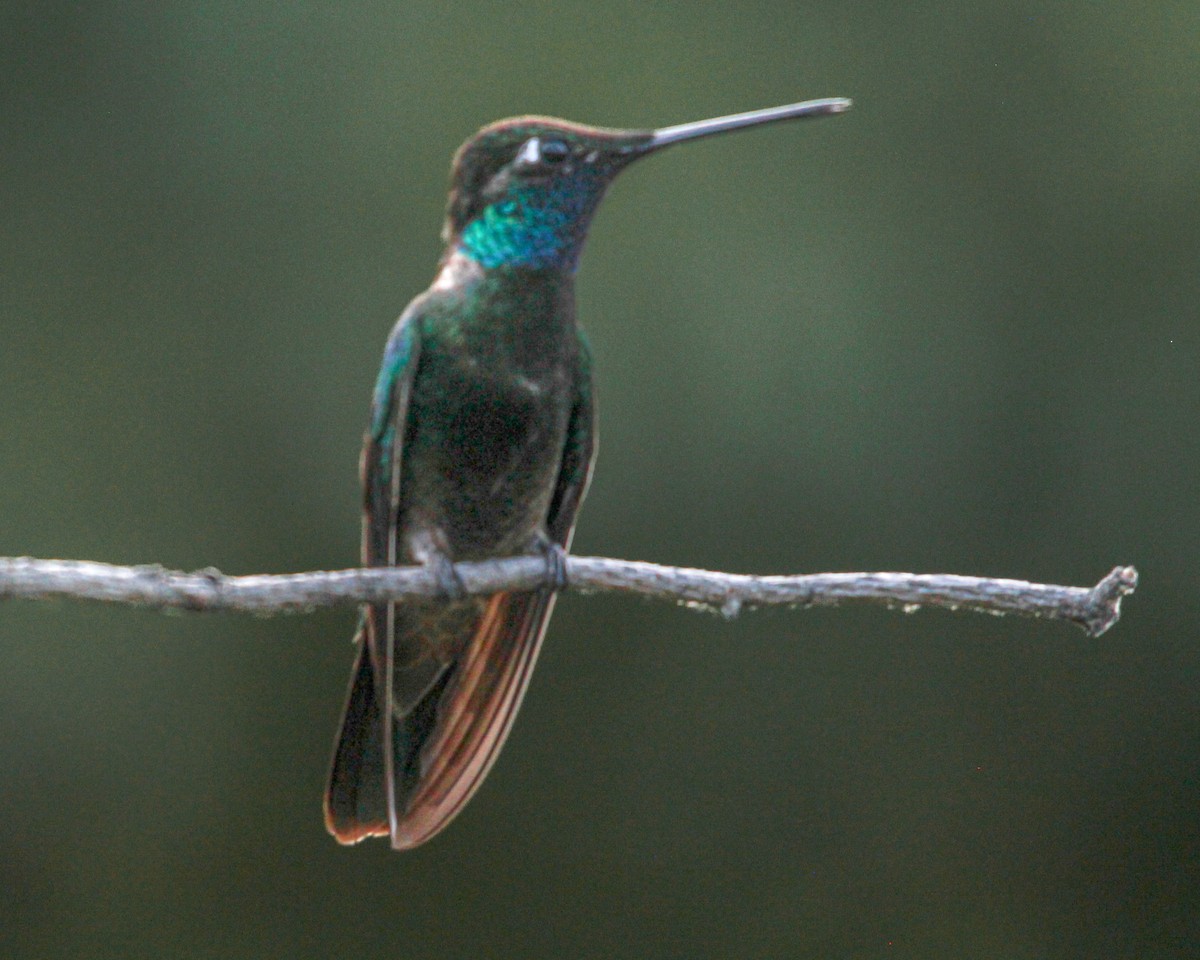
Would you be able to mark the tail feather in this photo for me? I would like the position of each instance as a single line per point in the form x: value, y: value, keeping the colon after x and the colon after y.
x: 356, y: 801
x: 464, y: 720
x: 445, y: 743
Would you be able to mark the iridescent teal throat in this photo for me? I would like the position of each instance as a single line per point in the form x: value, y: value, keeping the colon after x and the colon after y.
x: 539, y: 226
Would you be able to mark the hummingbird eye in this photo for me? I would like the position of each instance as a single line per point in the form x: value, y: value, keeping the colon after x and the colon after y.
x: 555, y: 151
x: 536, y: 152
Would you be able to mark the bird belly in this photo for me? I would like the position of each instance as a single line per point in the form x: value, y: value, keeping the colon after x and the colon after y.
x: 481, y: 459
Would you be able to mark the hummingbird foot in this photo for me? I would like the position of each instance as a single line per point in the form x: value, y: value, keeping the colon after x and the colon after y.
x: 429, y: 548
x: 556, y: 561
x: 449, y: 582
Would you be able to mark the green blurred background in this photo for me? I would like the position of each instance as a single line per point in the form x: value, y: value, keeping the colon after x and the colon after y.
x: 954, y: 330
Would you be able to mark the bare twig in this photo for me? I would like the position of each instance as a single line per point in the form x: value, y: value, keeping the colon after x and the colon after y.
x: 1095, y: 609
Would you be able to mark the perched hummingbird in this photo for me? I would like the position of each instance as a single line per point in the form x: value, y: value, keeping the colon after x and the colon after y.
x: 480, y: 444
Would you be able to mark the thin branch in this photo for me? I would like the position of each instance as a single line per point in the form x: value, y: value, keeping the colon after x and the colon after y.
x: 1095, y: 609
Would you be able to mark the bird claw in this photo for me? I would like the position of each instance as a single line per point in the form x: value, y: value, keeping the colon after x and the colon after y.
x: 449, y: 582
x: 556, y: 563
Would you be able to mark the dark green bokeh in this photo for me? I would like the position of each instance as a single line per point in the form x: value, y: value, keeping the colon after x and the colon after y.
x: 953, y: 330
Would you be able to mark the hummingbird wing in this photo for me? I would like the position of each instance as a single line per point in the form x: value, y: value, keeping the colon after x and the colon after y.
x: 444, y: 746
x: 356, y: 798
x: 449, y: 717
x: 579, y: 454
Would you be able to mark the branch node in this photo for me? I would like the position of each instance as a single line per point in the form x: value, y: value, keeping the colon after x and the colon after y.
x: 1104, y: 603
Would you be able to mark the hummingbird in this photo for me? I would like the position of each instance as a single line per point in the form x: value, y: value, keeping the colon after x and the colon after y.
x: 480, y: 444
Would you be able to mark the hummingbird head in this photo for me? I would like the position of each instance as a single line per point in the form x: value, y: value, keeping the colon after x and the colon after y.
x: 523, y: 191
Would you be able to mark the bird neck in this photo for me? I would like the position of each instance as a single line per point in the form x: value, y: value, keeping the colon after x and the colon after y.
x: 523, y: 316
x: 537, y: 226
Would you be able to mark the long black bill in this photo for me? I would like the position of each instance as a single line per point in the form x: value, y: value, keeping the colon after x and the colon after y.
x: 665, y: 136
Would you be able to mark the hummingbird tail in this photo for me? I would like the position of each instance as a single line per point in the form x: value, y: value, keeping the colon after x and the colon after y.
x: 356, y: 800
x: 445, y: 741
x: 445, y: 745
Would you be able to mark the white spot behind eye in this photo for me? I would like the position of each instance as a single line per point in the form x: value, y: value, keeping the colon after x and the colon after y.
x: 591, y: 157
x: 531, y: 152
